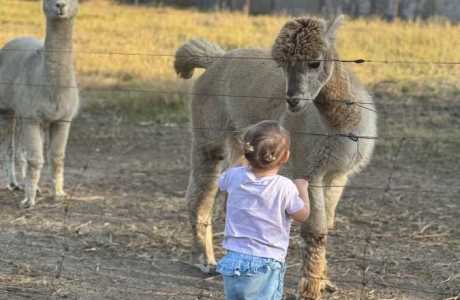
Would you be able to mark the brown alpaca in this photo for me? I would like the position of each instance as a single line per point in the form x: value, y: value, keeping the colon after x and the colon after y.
x: 303, y: 64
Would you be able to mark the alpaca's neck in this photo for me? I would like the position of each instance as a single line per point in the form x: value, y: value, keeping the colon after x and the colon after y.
x: 333, y: 98
x: 58, y: 56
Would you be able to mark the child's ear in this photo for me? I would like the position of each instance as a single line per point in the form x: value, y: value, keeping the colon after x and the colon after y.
x: 287, y: 154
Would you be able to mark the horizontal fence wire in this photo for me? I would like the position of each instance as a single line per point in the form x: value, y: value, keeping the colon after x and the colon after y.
x: 351, y: 259
x: 251, y: 97
x: 369, y: 188
x: 126, y: 53
x: 351, y: 136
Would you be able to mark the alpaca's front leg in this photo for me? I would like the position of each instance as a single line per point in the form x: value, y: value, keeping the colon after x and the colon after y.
x: 33, y: 144
x: 59, y: 134
x: 314, y: 234
x: 332, y: 193
x: 18, y: 157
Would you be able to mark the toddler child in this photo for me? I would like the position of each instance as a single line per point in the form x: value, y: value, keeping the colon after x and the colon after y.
x: 260, y: 208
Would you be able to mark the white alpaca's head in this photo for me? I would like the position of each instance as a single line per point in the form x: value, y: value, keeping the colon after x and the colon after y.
x: 60, y: 9
x: 304, y: 49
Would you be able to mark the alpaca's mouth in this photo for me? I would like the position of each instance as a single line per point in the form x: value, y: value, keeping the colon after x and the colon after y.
x: 61, y: 12
x: 293, y: 104
x: 294, y: 108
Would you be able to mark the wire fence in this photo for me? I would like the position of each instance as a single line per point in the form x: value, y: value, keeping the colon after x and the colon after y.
x: 125, y: 53
x: 365, y: 261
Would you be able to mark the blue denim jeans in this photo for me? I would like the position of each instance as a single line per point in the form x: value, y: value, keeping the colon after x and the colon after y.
x: 248, y: 277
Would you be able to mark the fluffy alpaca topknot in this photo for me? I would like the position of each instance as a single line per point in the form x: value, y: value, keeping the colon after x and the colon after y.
x: 300, y: 39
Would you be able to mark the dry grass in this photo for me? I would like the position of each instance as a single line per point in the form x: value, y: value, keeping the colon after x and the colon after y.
x: 105, y: 27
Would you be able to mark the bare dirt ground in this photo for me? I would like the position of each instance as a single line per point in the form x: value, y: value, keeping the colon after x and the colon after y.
x: 125, y: 234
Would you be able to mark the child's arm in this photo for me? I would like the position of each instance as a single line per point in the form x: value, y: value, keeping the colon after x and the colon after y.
x: 302, y: 215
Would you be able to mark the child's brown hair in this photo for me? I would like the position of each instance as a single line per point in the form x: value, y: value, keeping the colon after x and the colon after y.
x: 266, y: 144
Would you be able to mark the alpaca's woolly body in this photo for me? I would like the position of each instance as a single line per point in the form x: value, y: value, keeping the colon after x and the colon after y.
x: 37, y: 78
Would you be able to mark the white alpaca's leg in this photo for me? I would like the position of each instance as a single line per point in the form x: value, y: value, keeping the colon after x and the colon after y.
x: 20, y: 156
x: 33, y: 145
x: 10, y: 159
x: 333, y: 193
x: 22, y: 164
x: 59, y: 134
x: 14, y: 145
x: 3, y: 144
x: 201, y: 194
x: 314, y: 234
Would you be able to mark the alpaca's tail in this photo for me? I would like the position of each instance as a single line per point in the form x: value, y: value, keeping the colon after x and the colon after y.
x: 195, y: 53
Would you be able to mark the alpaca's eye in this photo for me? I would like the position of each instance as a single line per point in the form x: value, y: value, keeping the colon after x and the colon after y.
x: 314, y: 64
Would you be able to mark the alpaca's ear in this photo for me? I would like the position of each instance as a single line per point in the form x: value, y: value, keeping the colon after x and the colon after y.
x: 333, y: 26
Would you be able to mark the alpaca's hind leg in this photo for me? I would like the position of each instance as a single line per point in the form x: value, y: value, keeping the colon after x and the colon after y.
x: 59, y: 134
x: 314, y: 234
x: 201, y: 193
x: 22, y: 164
x: 333, y: 193
x: 10, y: 163
x: 33, y: 144
x: 11, y: 151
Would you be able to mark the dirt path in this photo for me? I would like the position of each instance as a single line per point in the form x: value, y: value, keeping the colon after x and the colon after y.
x: 126, y: 233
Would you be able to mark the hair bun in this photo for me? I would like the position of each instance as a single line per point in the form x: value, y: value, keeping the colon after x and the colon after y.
x: 248, y: 148
x: 269, y: 157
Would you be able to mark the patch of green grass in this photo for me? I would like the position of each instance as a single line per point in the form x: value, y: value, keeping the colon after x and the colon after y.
x: 139, y: 106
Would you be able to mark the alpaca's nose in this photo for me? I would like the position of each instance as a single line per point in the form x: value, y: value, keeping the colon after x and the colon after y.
x: 293, y: 102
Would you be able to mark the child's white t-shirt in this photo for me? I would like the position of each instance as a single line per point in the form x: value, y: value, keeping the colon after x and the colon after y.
x: 257, y: 221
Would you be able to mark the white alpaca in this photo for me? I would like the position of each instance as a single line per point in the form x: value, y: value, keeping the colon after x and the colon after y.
x: 303, y: 64
x: 38, y: 89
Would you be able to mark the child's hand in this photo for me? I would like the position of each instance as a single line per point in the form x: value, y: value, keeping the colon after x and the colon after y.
x: 301, y: 184
x: 302, y: 187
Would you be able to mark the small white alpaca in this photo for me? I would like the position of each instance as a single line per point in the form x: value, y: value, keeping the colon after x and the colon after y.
x: 302, y: 64
x: 38, y: 90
